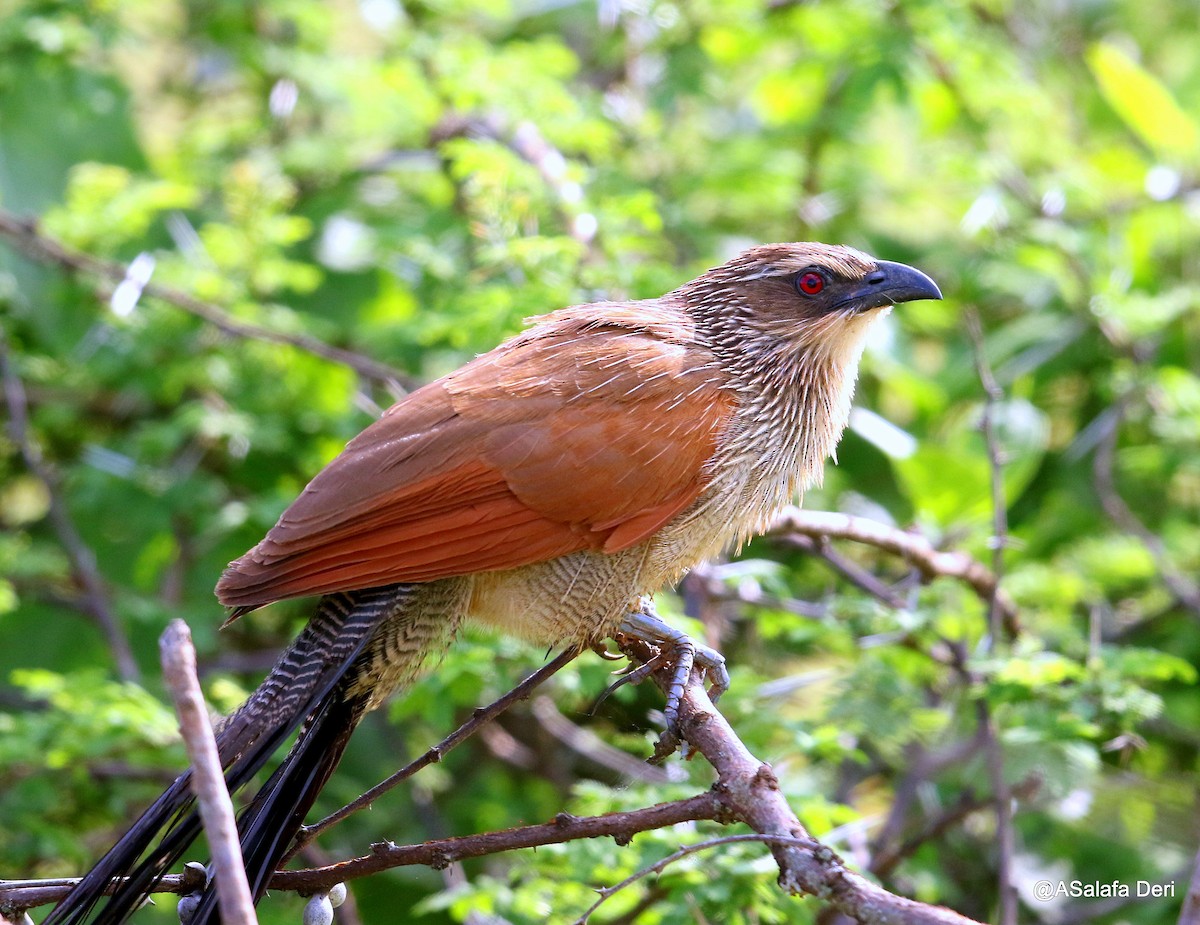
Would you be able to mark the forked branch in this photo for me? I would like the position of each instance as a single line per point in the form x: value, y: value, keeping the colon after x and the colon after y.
x: 746, y: 791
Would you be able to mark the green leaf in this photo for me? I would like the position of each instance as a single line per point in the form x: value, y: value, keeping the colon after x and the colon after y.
x: 1144, y: 103
x: 946, y: 484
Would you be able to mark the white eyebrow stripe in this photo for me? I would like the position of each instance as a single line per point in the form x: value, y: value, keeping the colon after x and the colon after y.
x: 762, y: 274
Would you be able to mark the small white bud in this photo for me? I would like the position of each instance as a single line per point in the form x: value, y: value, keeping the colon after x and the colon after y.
x: 337, y: 894
x: 318, y: 910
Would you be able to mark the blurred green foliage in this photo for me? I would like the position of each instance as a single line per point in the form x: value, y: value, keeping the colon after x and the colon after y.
x: 409, y: 181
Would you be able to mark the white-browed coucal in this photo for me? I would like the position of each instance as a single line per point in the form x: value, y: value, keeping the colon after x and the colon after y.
x: 546, y: 489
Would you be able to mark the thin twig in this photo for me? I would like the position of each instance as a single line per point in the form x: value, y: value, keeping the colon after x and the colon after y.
x: 505, y: 746
x: 847, y: 568
x: 708, y: 583
x: 659, y: 866
x: 994, y: 395
x: 528, y: 143
x: 747, y: 791
x: 651, y: 897
x: 592, y: 747
x: 25, y: 235
x: 885, y: 862
x: 478, y: 718
x: 1190, y: 913
x: 94, y: 600
x: 621, y: 826
x: 1185, y: 590
x: 208, y: 780
x: 913, y: 548
x: 920, y: 766
x: 1005, y: 837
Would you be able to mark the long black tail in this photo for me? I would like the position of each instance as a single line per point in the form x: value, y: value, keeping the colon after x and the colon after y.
x: 277, y: 812
x: 310, y: 685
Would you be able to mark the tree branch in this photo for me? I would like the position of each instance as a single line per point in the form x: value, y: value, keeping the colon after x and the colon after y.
x: 94, y: 600
x: 707, y: 845
x: 25, y: 236
x: 854, y: 573
x: 883, y: 863
x: 1185, y: 590
x: 436, y: 753
x: 208, y: 779
x: 752, y: 794
x: 993, y: 396
x: 1002, y: 797
x: 586, y: 743
x: 912, y: 547
x: 747, y: 791
x: 437, y: 853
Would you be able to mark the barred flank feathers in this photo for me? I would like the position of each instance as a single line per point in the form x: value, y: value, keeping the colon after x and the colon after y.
x: 302, y: 688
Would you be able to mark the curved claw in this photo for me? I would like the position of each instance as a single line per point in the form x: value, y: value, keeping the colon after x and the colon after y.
x: 601, y: 650
x: 645, y: 624
x: 629, y: 676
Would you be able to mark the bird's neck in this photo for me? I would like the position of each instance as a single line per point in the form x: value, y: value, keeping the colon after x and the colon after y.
x: 795, y: 396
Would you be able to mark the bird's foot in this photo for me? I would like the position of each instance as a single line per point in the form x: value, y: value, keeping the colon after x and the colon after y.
x: 683, y: 652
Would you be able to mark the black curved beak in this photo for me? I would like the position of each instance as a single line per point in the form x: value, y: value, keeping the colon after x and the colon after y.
x: 888, y: 284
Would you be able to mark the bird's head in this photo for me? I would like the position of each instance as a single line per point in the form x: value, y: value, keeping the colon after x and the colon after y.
x: 804, y: 295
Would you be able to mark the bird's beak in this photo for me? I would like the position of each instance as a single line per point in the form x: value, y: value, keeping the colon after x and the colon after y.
x: 888, y: 284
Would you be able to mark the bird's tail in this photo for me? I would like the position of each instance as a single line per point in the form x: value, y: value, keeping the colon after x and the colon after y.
x: 313, y: 686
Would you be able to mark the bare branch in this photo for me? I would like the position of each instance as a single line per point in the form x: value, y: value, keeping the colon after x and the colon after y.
x: 25, y: 236
x: 659, y: 866
x: 854, y: 573
x: 1190, y: 913
x: 505, y: 746
x: 1002, y: 802
x: 747, y: 791
x: 706, y: 581
x: 913, y: 548
x: 1005, y: 838
x: 208, y: 779
x: 94, y: 598
x: 592, y: 747
x: 883, y: 863
x: 994, y: 395
x: 1185, y: 590
x: 920, y: 766
x: 622, y: 826
x: 461, y: 734
x: 752, y: 794
x: 437, y: 853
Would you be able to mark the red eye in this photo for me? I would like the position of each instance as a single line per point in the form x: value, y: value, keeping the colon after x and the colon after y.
x: 810, y: 283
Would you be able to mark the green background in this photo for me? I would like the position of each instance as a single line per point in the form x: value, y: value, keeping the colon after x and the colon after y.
x: 409, y: 181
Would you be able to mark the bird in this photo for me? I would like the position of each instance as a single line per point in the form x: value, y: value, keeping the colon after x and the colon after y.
x: 547, y: 489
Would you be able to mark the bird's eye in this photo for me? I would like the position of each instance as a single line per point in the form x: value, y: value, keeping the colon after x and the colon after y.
x: 810, y: 282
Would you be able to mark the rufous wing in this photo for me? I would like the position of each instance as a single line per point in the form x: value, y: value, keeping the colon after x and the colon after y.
x: 578, y: 434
